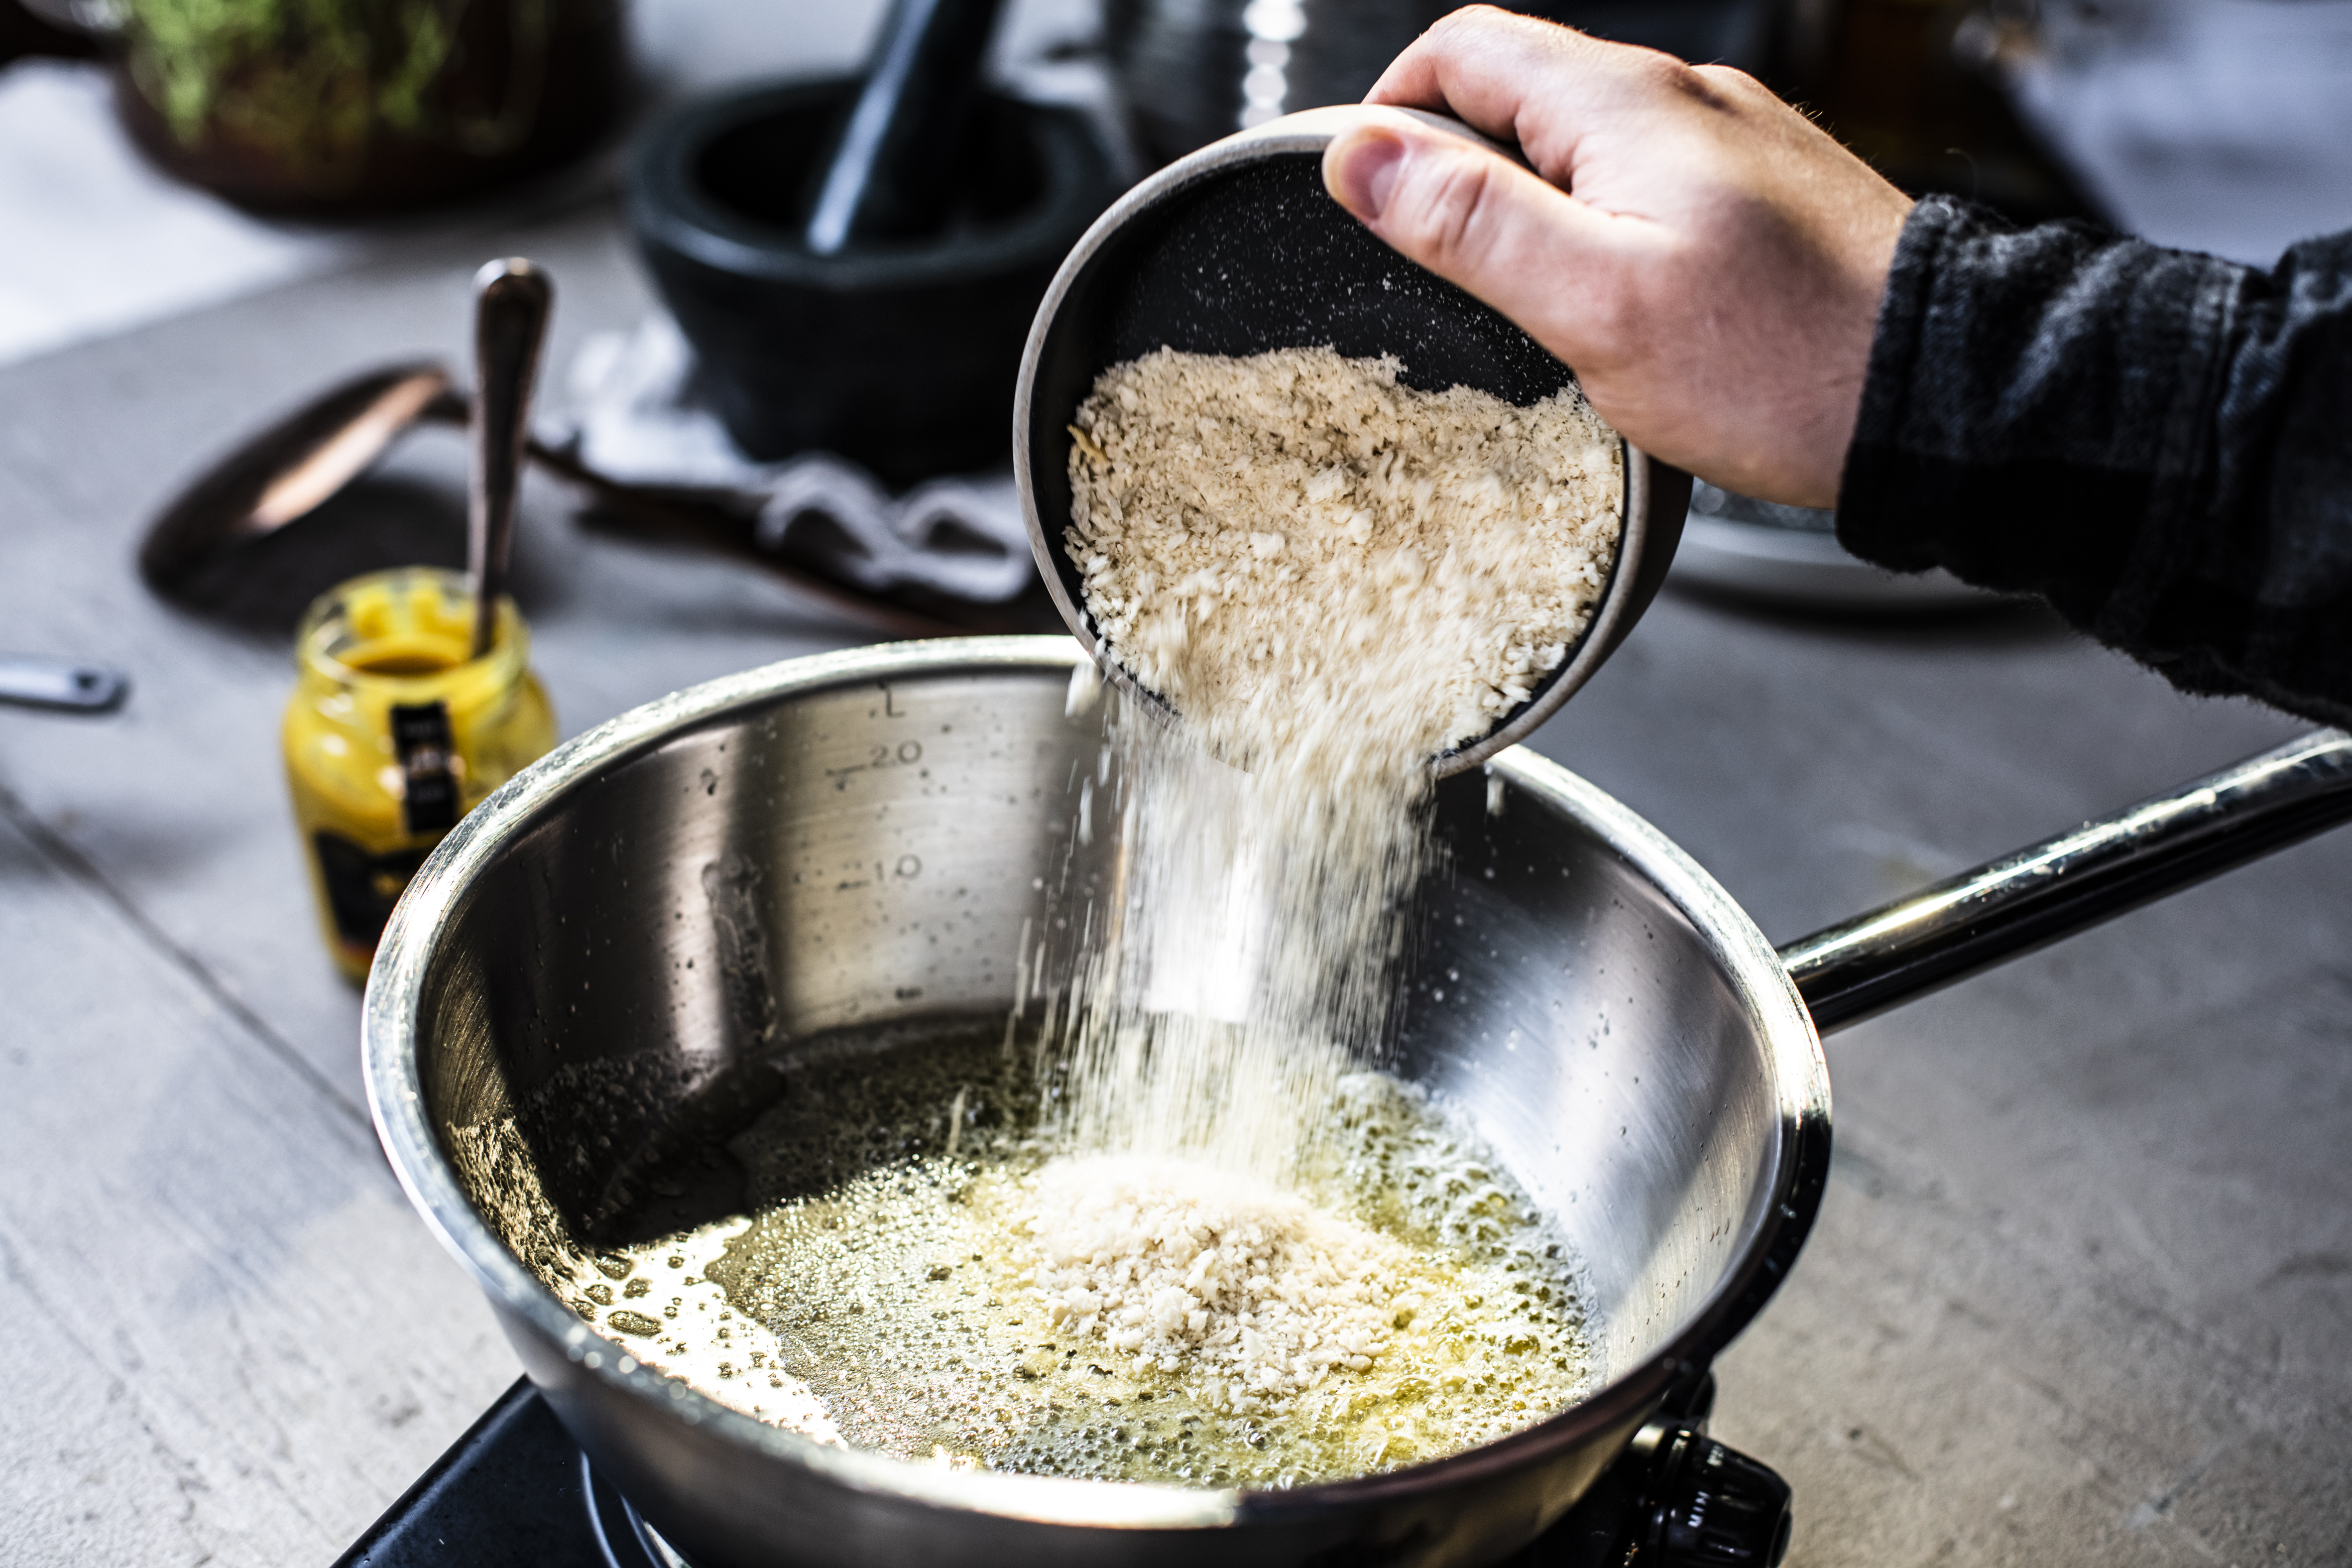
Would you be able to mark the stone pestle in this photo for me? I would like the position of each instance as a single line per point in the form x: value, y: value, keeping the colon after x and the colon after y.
x: 890, y: 173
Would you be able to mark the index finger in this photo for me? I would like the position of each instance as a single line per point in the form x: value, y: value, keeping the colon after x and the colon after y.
x: 1536, y: 83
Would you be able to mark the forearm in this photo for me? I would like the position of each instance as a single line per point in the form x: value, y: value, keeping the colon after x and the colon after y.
x: 2158, y: 443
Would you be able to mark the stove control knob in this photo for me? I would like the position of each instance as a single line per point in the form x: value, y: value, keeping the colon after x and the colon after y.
x: 1710, y: 1507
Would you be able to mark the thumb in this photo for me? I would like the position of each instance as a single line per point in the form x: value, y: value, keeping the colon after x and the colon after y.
x: 1472, y: 216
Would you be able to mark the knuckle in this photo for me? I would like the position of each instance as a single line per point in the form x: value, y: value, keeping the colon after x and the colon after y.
x: 1487, y: 31
x: 1476, y: 18
x: 1730, y: 89
x: 1450, y: 32
x: 1729, y: 80
x: 1666, y: 74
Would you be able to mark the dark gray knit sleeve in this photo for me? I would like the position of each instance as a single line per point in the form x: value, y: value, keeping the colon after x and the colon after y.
x: 2158, y: 443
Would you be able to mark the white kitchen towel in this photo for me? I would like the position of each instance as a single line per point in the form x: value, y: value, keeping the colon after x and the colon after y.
x: 638, y: 415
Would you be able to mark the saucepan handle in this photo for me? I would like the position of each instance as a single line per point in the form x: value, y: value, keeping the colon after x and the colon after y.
x: 2064, y: 885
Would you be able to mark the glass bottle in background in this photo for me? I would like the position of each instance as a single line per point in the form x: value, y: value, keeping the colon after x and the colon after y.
x: 395, y: 732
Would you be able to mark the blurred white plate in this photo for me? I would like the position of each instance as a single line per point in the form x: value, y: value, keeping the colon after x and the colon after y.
x: 1740, y: 548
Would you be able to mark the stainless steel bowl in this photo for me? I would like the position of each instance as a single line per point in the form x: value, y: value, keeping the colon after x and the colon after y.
x: 1236, y: 249
x: 611, y: 947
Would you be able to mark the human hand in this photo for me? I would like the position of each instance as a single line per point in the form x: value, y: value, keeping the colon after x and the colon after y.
x: 1708, y: 260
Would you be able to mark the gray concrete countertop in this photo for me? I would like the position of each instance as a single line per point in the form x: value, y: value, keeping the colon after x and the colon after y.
x: 2080, y: 1291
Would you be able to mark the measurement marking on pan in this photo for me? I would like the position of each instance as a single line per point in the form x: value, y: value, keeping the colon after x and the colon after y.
x: 905, y: 753
x: 906, y: 868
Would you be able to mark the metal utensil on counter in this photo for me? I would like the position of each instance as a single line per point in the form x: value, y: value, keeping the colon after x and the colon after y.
x: 60, y: 685
x: 1683, y: 1149
x: 1236, y: 249
x: 511, y: 302
x: 289, y: 470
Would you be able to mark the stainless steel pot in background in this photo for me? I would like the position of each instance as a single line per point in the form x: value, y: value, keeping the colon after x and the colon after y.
x: 612, y: 948
x: 1195, y: 70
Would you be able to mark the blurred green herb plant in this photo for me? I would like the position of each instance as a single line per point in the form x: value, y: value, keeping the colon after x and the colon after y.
x: 307, y: 82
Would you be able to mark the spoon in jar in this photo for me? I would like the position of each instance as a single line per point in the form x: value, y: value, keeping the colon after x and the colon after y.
x: 511, y: 302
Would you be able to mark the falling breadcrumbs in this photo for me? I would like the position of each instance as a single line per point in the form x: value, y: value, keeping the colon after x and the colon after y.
x: 1299, y: 550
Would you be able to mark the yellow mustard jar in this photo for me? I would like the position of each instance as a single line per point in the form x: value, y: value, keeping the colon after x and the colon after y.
x: 395, y: 730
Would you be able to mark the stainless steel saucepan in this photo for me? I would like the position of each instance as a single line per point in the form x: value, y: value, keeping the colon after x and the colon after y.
x: 616, y: 948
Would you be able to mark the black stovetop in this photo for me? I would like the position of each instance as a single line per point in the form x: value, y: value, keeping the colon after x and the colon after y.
x: 515, y: 1493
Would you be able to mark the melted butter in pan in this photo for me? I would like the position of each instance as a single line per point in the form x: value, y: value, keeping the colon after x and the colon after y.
x: 900, y: 1307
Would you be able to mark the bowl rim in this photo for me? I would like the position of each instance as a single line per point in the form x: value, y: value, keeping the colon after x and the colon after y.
x: 667, y: 207
x: 1649, y: 507
x: 392, y: 1010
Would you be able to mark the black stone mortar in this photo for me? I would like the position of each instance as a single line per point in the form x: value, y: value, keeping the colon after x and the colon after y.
x: 899, y: 356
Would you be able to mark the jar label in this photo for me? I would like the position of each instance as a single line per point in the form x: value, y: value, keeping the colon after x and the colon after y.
x: 362, y: 888
x: 421, y: 736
